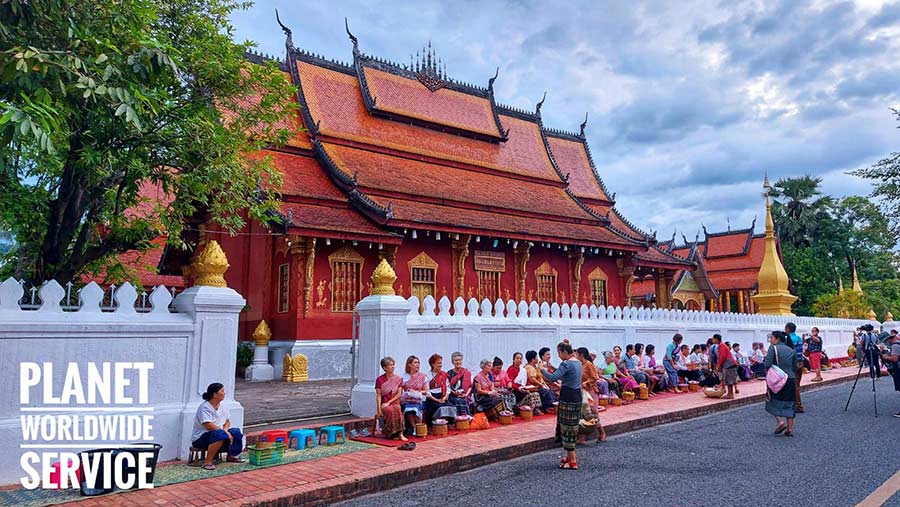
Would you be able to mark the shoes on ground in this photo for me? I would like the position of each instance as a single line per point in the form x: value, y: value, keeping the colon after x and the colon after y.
x: 897, y: 415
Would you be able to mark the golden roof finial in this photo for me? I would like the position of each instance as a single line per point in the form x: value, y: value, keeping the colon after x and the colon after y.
x: 383, y: 279
x: 262, y: 334
x: 773, y: 297
x: 888, y: 317
x: 210, y: 265
x: 871, y: 315
x: 856, y: 286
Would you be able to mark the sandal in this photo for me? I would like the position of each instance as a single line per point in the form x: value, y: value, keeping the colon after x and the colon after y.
x: 788, y: 433
x: 408, y: 446
x: 365, y: 432
x: 208, y: 466
x: 568, y: 465
x: 235, y: 459
x: 354, y: 433
x: 780, y: 428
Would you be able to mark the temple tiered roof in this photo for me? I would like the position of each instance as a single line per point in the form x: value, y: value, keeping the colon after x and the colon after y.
x: 409, y: 147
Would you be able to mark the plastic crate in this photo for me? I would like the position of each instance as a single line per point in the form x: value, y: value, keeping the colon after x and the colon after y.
x: 266, y: 453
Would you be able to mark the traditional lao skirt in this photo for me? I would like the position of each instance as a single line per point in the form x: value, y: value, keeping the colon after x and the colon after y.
x: 435, y: 410
x: 461, y: 404
x: 730, y: 375
x: 392, y: 420
x: 782, y: 403
x: 568, y: 414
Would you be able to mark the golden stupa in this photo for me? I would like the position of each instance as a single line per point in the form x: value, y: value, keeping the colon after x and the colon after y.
x: 773, y: 297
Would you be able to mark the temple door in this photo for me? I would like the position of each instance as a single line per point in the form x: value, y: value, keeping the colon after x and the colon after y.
x: 420, y: 290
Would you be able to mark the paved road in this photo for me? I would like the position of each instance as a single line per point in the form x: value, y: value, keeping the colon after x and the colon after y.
x: 691, y: 463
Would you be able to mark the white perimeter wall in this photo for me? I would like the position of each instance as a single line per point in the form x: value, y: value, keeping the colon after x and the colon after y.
x: 190, y: 348
x: 484, y: 330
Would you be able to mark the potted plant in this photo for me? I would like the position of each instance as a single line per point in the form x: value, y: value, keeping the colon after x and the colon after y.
x: 244, y: 358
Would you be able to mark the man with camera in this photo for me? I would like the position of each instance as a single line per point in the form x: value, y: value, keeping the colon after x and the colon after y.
x: 891, y: 357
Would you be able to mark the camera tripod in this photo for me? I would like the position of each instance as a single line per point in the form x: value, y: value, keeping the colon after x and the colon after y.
x: 871, y: 355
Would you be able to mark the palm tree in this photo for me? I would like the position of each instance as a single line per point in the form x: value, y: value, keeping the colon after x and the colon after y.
x: 798, y: 208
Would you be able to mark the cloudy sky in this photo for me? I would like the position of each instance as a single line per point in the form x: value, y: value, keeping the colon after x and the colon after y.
x: 690, y: 102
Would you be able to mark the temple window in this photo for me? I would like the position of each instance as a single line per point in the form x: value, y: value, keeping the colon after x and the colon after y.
x: 422, y: 276
x: 598, y: 280
x: 488, y: 285
x: 284, y: 280
x: 546, y: 283
x: 489, y: 266
x: 346, y: 279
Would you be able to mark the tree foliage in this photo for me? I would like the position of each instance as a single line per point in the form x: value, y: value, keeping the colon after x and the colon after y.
x: 101, y: 99
x: 798, y: 208
x: 886, y: 175
x: 883, y: 296
x: 849, y: 305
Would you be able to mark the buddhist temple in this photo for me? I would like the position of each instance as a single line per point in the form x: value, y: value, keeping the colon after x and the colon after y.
x: 725, y: 277
x: 463, y: 196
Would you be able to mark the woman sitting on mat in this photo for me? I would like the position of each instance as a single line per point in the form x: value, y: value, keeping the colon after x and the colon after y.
x: 487, y: 399
x: 437, y: 400
x: 415, y: 387
x: 212, y: 428
x: 460, y: 385
x: 683, y: 364
x: 388, y: 389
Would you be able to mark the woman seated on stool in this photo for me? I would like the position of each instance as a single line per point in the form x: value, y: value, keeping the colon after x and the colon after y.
x: 212, y: 428
x: 388, y: 389
x: 526, y: 394
x: 683, y: 365
x: 437, y: 404
x: 487, y: 399
x: 533, y: 372
x: 460, y: 385
x: 656, y: 369
x: 757, y: 360
x: 415, y: 387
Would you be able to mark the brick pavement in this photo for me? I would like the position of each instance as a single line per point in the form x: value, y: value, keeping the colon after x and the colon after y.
x: 340, y: 477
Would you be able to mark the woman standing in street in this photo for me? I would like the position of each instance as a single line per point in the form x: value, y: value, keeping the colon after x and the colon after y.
x: 568, y: 412
x: 814, y: 348
x: 782, y: 404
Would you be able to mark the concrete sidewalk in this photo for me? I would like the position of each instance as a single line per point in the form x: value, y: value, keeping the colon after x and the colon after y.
x: 335, y: 478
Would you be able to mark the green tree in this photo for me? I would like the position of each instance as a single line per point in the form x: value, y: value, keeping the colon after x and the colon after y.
x: 811, y: 273
x: 883, y: 296
x: 797, y: 208
x: 860, y: 233
x: 849, y: 304
x: 100, y: 99
x: 886, y: 175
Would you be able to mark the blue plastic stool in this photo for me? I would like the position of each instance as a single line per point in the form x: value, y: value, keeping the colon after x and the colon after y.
x: 331, y: 434
x: 299, y: 438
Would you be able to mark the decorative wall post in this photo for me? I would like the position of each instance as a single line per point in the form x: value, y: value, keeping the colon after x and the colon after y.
x: 382, y: 327
x: 522, y: 253
x: 214, y: 308
x: 260, y: 370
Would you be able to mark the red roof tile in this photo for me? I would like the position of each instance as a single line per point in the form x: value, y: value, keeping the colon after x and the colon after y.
x: 656, y: 257
x: 303, y: 176
x: 333, y: 221
x: 381, y: 172
x: 450, y: 108
x: 572, y: 158
x: 720, y: 245
x: 335, y: 102
x: 752, y: 260
x: 410, y: 212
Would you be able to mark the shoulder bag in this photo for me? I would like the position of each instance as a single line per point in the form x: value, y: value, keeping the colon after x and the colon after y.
x: 776, y: 377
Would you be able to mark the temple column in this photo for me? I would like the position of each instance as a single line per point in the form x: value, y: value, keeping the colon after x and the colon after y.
x: 662, y: 293
x: 728, y: 301
x: 626, y: 272
x: 741, y: 308
x: 522, y: 254
x: 576, y: 261
x: 460, y: 252
x: 303, y: 257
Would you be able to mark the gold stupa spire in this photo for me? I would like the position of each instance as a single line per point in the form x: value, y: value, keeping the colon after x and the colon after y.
x: 888, y: 317
x: 856, y: 285
x: 772, y: 295
x: 383, y: 279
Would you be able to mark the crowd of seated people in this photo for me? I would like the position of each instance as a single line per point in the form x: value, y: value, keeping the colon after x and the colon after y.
x: 414, y: 397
